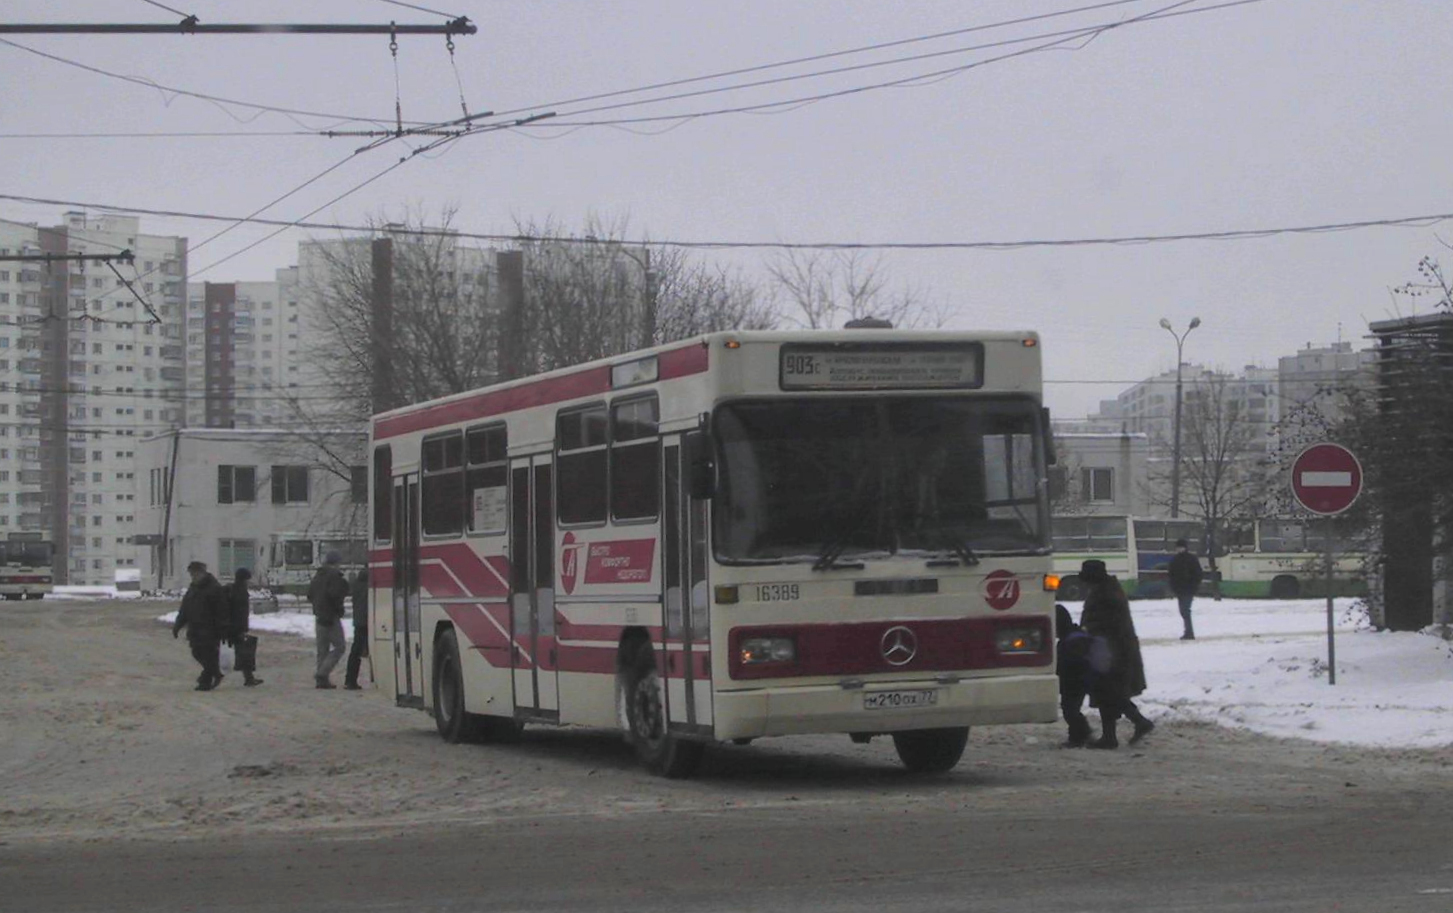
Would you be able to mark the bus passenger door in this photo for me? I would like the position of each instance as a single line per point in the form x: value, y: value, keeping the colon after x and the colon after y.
x: 684, y: 599
x: 532, y: 587
x: 408, y: 639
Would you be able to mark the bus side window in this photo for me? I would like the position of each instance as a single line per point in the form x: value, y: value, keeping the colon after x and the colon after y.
x: 580, y: 479
x: 635, y: 460
x: 486, y: 453
x: 383, y: 499
x: 442, y: 486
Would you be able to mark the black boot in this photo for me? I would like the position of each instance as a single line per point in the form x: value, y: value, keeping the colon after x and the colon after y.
x: 1107, y: 735
x: 250, y: 680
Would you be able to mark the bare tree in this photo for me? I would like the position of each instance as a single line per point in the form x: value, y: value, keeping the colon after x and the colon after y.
x: 430, y: 332
x: 594, y: 295
x: 1225, y: 472
x: 821, y: 290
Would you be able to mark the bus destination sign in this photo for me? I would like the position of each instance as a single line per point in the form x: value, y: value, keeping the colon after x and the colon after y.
x: 900, y: 366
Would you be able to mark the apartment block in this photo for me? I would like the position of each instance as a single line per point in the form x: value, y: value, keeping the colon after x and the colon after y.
x: 91, y: 359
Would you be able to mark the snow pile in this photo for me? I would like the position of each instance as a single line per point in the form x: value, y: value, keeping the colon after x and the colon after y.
x: 1262, y: 665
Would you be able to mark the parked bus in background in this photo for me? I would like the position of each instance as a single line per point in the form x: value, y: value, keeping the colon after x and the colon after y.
x: 1284, y: 558
x: 1136, y: 550
x: 293, y: 559
x: 1078, y: 538
x: 26, y: 566
x: 742, y: 535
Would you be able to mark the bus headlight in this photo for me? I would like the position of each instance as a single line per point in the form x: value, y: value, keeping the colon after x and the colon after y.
x: 1019, y: 640
x: 757, y: 650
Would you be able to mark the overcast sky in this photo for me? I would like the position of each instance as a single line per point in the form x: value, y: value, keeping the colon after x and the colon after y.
x: 1277, y: 113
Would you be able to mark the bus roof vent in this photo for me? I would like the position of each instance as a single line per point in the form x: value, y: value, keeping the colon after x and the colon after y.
x: 868, y: 323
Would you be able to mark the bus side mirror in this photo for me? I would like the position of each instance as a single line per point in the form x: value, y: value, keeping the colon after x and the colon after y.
x: 700, y: 466
x: 1049, y: 457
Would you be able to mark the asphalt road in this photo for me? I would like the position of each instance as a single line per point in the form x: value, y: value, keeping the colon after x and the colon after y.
x: 122, y: 790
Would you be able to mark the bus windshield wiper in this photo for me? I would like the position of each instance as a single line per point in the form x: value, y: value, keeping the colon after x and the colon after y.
x: 827, y: 561
x: 960, y: 547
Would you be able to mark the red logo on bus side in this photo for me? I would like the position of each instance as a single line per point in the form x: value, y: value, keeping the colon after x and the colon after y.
x: 569, y: 563
x: 1001, y: 590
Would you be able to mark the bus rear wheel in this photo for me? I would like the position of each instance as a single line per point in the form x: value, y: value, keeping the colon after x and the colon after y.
x: 931, y: 751
x: 1285, y: 587
x: 649, y: 733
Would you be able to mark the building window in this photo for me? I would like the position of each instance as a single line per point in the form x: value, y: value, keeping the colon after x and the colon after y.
x: 289, y: 484
x: 358, y: 484
x: 238, y: 485
x: 1097, y: 484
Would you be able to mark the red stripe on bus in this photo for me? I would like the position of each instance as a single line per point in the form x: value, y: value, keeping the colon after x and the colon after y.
x: 682, y: 362
x: 679, y: 362
x: 946, y: 645
x: 470, y: 570
x: 479, y: 631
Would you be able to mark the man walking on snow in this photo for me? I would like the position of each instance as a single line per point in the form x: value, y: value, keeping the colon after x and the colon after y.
x: 1185, y: 580
x: 326, y: 593
x: 204, y: 613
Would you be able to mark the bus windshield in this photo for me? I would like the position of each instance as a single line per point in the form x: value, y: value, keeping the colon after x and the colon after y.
x: 811, y: 479
x: 26, y: 554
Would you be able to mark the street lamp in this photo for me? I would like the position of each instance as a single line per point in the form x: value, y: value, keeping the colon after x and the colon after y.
x: 1175, y: 467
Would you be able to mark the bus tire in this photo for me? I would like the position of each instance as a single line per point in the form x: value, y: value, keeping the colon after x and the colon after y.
x: 455, y: 724
x: 1070, y: 588
x: 1285, y: 587
x: 931, y: 751
x: 661, y: 752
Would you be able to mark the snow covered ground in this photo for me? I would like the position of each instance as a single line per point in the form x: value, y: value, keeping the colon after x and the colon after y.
x: 1260, y: 665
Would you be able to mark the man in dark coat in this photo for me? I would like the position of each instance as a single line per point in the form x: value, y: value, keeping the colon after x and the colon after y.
x: 204, y: 613
x: 360, y: 630
x: 1107, y: 615
x: 1185, y: 580
x: 240, y: 613
x: 326, y: 593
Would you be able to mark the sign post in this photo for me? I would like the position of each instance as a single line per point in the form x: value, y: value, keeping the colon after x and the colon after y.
x: 1326, y: 479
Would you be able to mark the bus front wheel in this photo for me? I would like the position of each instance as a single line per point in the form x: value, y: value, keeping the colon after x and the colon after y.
x: 453, y: 722
x: 451, y: 716
x: 931, y: 751
x: 649, y: 733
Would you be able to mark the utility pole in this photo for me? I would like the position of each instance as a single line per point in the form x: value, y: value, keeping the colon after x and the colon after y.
x: 1175, y: 468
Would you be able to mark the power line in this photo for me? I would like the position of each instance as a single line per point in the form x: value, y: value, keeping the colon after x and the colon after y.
x: 742, y: 71
x: 202, y: 96
x: 1421, y: 221
x: 1060, y: 39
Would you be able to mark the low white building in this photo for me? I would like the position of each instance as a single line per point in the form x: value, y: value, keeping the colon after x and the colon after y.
x: 272, y: 501
x: 1100, y: 473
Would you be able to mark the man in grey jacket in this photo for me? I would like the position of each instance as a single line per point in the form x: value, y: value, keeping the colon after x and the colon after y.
x: 326, y: 593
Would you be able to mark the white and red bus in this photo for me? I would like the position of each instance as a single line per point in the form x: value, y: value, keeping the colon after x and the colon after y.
x: 25, y: 566
x: 742, y: 535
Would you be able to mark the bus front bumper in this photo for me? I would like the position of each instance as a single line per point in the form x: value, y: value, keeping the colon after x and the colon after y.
x: 886, y: 706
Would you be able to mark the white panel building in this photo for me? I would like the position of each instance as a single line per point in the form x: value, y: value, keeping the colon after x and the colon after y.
x: 263, y: 499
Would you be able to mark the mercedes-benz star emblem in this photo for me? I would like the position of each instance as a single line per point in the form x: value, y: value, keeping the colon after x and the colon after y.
x: 899, y: 645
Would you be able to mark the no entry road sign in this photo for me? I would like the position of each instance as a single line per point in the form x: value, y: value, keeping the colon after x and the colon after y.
x: 1326, y: 478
